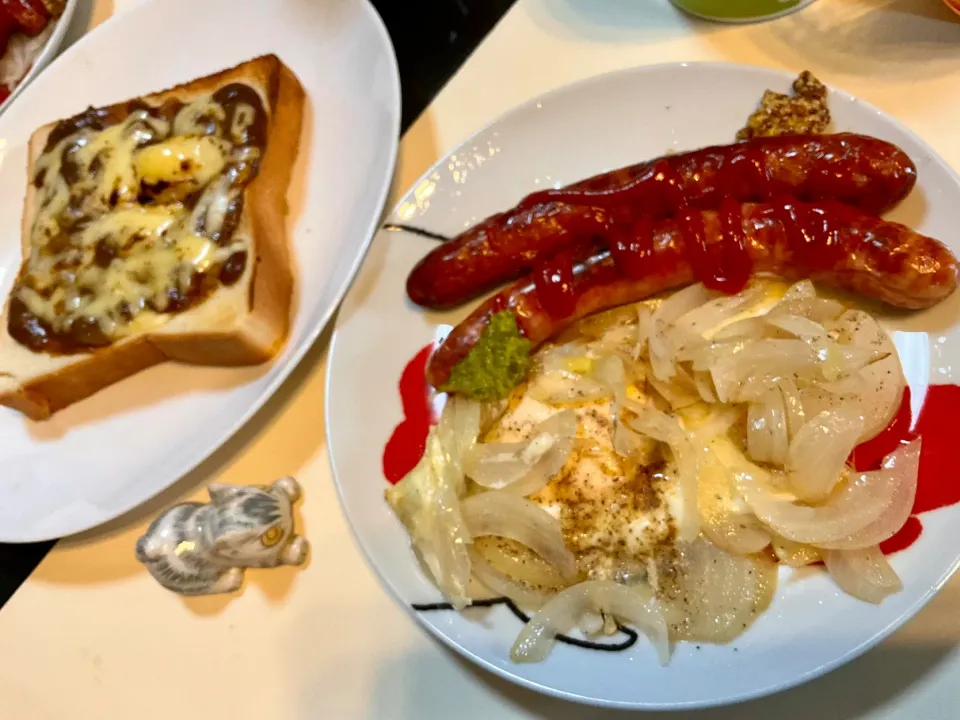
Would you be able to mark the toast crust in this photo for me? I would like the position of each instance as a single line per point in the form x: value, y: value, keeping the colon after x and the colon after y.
x: 250, y: 331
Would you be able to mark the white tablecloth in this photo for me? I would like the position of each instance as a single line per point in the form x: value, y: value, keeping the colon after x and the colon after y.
x: 91, y: 636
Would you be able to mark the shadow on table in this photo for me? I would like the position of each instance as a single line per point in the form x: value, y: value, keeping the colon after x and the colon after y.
x: 858, y: 38
x: 418, y: 687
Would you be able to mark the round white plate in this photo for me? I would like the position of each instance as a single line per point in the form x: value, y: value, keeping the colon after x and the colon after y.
x: 603, y: 123
x: 102, y: 457
x: 42, y: 54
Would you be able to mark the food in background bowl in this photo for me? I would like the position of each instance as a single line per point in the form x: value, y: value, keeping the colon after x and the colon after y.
x: 740, y: 10
x: 25, y: 28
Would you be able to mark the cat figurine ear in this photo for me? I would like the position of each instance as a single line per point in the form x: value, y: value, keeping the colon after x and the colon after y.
x: 197, y: 549
x: 221, y: 493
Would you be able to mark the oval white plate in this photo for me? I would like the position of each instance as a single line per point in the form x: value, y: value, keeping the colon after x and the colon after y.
x: 45, y: 53
x: 574, y: 132
x: 99, y: 458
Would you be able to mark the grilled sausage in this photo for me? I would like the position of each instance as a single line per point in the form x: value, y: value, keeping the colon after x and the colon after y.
x: 825, y: 242
x: 860, y: 171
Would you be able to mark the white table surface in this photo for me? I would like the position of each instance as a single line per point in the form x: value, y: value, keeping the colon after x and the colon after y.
x: 90, y: 635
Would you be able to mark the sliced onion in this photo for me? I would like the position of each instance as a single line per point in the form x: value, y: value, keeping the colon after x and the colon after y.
x: 497, y: 465
x: 720, y: 419
x: 661, y: 349
x: 490, y: 413
x: 570, y: 360
x: 903, y: 464
x: 427, y: 504
x: 520, y: 563
x: 704, y: 384
x: 630, y: 444
x: 795, y: 554
x: 821, y: 310
x: 644, y: 329
x: 767, y: 439
x: 457, y: 434
x: 557, y: 389
x: 677, y: 396
x: 819, y: 452
x: 880, y: 398
x: 743, y: 370
x: 703, y: 358
x: 761, y: 360
x: 793, y: 406
x: 667, y: 429
x: 562, y: 424
x: 800, y: 290
x: 620, y: 341
x: 658, y: 425
x: 859, y: 501
x: 502, y: 584
x: 524, y: 468
x: 693, y: 326
x: 747, y: 329
x: 592, y: 623
x: 681, y: 302
x: 610, y: 372
x: 722, y: 519
x: 841, y: 360
x: 631, y: 605
x: 798, y: 326
x: 875, y: 392
x: 510, y: 516
x: 865, y: 573
x: 716, y: 595
x: 622, y: 319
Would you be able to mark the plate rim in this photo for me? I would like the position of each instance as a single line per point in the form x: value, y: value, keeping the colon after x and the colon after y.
x: 310, y: 336
x: 504, y: 672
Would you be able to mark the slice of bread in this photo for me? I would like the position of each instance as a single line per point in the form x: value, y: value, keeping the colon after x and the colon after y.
x: 243, y: 323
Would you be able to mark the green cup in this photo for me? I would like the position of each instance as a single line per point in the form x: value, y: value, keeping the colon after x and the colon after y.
x: 739, y: 10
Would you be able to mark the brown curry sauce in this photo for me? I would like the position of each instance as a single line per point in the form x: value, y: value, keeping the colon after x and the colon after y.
x: 85, y: 333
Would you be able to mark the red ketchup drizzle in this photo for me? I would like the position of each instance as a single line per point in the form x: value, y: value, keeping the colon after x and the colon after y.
x: 937, y: 486
x: 409, y: 439
x: 745, y: 176
x: 724, y: 266
x: 554, y: 281
x: 633, y: 249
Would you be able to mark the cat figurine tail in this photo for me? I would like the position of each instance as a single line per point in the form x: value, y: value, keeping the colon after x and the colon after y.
x: 202, y: 548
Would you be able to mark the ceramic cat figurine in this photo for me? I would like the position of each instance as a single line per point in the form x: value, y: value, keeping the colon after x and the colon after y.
x: 201, y: 549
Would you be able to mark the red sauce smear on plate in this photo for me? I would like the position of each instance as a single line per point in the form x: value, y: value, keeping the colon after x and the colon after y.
x: 937, y: 484
x: 409, y: 439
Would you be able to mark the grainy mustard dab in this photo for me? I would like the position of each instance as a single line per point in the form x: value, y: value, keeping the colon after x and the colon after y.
x: 805, y: 112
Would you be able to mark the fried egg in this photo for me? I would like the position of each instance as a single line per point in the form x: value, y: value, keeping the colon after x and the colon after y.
x: 616, y: 514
